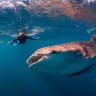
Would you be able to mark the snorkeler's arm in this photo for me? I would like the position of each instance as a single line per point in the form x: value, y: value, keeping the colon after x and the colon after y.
x: 32, y: 38
x: 11, y: 42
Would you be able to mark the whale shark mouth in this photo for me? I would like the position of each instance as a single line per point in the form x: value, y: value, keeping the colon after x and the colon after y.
x: 35, y: 59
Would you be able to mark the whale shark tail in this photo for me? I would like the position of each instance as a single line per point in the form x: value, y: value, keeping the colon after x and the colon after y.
x: 35, y: 59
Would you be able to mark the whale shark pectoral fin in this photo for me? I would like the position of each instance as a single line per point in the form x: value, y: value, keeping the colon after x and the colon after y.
x: 35, y: 59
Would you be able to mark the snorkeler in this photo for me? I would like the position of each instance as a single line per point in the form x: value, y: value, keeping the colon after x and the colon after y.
x: 21, y: 38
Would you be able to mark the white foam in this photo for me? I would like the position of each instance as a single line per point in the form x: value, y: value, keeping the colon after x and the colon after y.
x: 6, y: 4
x: 36, y: 30
x: 11, y: 4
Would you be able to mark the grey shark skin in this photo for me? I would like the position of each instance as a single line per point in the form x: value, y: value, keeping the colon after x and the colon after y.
x: 86, y: 48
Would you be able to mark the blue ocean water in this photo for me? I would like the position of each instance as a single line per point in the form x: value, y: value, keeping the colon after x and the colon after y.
x: 49, y: 77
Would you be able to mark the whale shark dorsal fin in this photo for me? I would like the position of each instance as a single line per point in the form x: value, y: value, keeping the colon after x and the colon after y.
x: 35, y: 59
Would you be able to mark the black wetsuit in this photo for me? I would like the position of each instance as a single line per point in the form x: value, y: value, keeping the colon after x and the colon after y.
x: 21, y: 39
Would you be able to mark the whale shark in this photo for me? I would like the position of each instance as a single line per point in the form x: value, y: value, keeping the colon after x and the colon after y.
x: 86, y: 48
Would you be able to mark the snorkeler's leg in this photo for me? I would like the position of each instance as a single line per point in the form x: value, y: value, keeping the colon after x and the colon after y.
x: 11, y: 42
